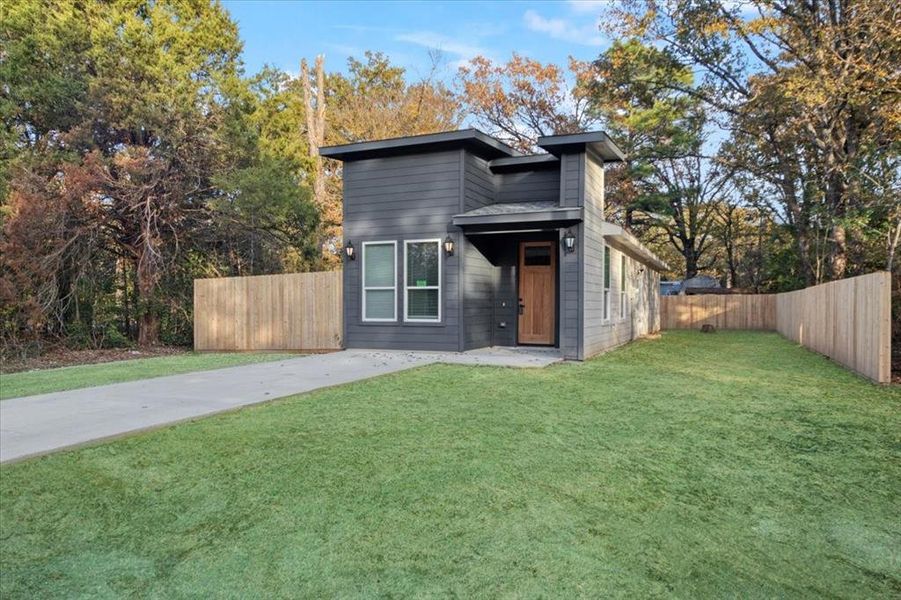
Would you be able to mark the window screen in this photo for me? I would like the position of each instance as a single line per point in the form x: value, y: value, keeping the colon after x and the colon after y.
x: 422, y: 283
x: 379, y: 281
x: 606, y: 283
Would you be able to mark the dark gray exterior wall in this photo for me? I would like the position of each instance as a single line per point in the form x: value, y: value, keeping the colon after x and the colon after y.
x: 501, y: 253
x: 415, y: 197
x: 404, y: 197
x: 528, y: 186
x: 490, y: 293
x: 480, y: 278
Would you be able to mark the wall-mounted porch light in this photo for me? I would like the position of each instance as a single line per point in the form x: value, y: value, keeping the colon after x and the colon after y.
x: 449, y: 245
x: 569, y: 242
x: 349, y: 250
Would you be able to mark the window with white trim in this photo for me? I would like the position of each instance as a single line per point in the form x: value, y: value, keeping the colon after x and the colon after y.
x: 422, y: 280
x: 606, y: 283
x: 379, y: 281
x: 623, y: 297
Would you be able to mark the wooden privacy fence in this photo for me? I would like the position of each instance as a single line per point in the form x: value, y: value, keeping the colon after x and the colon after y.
x: 740, y: 311
x: 849, y: 320
x: 297, y: 311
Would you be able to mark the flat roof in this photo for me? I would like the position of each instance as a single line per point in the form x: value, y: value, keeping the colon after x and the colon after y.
x: 597, y: 141
x: 479, y: 143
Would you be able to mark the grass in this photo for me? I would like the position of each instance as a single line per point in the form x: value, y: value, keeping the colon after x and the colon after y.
x: 735, y: 464
x: 29, y: 383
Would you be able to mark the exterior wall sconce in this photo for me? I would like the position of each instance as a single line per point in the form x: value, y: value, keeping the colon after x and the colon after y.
x: 449, y: 245
x: 569, y: 242
x: 349, y: 251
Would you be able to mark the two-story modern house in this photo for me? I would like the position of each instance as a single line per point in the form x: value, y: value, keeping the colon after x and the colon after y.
x: 456, y: 241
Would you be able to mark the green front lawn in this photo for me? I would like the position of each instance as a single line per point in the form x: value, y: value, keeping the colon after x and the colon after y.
x: 728, y: 465
x: 29, y: 383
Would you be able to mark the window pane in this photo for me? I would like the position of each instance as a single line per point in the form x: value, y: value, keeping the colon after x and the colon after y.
x: 422, y: 264
x: 379, y: 261
x: 537, y: 256
x: 422, y: 304
x: 622, y: 273
x: 379, y: 304
x: 606, y: 267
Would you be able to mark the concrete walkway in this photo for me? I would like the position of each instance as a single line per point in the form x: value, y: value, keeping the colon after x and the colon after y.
x: 36, y: 425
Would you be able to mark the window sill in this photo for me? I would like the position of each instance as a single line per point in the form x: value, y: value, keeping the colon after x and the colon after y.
x: 424, y: 324
x: 402, y: 323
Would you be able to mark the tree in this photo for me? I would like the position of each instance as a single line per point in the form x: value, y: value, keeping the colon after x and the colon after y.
x: 136, y: 116
x: 314, y: 110
x: 373, y: 101
x: 810, y: 89
x: 666, y: 176
x: 524, y: 99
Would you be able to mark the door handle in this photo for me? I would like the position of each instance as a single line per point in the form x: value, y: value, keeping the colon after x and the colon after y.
x: 522, y: 307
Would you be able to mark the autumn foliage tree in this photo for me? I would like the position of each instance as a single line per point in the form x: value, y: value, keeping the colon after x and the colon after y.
x: 523, y: 99
x: 373, y: 100
x: 120, y: 146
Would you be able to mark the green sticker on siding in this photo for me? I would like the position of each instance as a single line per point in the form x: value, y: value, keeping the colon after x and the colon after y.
x: 421, y: 283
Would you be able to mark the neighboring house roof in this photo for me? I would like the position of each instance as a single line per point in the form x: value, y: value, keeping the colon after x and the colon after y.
x: 596, y: 141
x: 518, y: 212
x: 670, y: 288
x: 700, y: 281
x: 479, y: 143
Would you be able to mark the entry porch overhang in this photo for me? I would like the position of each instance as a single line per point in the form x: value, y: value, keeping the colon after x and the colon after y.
x: 518, y: 215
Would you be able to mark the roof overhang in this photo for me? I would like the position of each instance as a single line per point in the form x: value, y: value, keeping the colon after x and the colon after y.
x: 625, y: 242
x: 596, y: 141
x: 516, y: 215
x: 479, y: 143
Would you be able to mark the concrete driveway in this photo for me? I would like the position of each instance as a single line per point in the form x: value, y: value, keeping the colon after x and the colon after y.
x: 36, y: 425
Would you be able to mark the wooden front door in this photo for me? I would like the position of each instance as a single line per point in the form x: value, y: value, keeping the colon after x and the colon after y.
x: 537, y: 292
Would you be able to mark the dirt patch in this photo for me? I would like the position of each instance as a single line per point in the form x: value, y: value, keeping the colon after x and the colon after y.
x: 64, y: 357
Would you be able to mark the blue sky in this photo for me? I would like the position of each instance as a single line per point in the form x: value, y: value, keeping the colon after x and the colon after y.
x: 281, y: 33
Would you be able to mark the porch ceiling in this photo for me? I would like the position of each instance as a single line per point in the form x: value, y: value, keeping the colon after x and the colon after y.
x: 514, y: 213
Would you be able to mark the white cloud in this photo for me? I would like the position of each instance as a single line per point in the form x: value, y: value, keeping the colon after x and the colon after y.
x: 588, y: 6
x: 459, y: 52
x: 438, y: 41
x: 563, y: 29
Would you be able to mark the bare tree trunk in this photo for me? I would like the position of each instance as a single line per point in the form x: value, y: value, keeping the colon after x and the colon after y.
x: 147, y: 314
x: 838, y: 255
x: 315, y: 121
x: 122, y: 267
x: 894, y: 237
x: 315, y: 125
x: 691, y: 262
